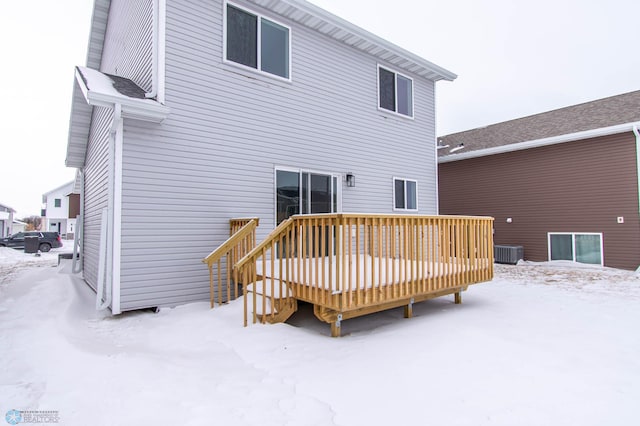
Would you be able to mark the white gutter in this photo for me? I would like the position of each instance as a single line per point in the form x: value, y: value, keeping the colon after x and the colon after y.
x: 324, y: 22
x: 104, y: 96
x: 154, y: 52
x: 603, y: 131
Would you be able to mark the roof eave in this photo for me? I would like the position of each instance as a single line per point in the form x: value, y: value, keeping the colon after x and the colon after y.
x: 358, y: 38
x: 569, y: 137
x: 139, y: 109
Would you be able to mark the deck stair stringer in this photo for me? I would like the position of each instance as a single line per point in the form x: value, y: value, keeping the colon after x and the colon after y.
x: 270, y: 300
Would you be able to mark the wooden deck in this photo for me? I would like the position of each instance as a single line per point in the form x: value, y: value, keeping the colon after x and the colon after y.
x: 348, y: 265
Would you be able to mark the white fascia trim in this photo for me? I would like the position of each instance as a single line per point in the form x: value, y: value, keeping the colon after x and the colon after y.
x: 304, y: 7
x: 602, y: 131
x: 138, y: 109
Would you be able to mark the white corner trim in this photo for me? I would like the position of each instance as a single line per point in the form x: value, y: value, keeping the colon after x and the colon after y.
x: 570, y: 137
x: 637, y: 133
x: 162, y: 50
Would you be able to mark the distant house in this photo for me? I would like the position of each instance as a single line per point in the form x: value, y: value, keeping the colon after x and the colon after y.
x: 18, y: 226
x: 563, y: 184
x: 199, y: 112
x: 6, y: 220
x: 62, y: 206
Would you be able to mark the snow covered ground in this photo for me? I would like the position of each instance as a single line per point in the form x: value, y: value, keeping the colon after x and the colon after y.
x: 540, y: 345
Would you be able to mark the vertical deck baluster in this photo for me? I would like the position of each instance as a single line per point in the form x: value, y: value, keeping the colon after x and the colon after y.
x: 314, y: 258
x: 219, y: 273
x: 358, y: 251
x: 388, y: 257
x: 323, y: 253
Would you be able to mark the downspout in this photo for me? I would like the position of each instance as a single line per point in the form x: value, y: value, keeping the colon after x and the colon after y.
x: 118, y: 124
x: 154, y: 51
x: 107, y: 271
x: 78, y: 238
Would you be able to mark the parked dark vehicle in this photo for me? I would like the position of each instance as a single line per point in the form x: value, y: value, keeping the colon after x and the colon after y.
x: 46, y: 240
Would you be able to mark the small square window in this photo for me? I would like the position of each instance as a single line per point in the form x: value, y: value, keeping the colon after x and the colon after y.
x: 57, y: 202
x: 405, y: 194
x: 395, y: 92
x: 257, y: 42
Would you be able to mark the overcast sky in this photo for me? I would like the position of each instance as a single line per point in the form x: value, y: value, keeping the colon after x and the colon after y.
x: 513, y: 58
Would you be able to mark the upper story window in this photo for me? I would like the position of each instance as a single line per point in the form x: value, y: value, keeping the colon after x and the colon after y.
x: 395, y: 92
x: 57, y: 202
x: 405, y: 194
x: 257, y: 42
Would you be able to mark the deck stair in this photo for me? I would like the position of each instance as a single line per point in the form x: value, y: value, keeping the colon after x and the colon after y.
x: 349, y: 265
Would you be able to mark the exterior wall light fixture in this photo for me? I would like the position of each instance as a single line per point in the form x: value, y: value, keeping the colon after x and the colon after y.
x: 351, y: 180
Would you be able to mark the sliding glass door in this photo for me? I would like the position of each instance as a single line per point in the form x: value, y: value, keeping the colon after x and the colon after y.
x: 304, y: 192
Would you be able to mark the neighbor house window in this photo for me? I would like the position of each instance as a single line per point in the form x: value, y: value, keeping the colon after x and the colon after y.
x: 405, y: 194
x: 57, y: 202
x: 395, y: 92
x: 257, y: 42
x: 576, y: 247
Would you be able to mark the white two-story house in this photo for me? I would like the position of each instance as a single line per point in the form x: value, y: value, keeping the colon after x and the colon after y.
x: 188, y: 114
x: 60, y: 210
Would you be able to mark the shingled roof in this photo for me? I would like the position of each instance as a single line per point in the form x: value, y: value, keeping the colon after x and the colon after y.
x: 601, y: 113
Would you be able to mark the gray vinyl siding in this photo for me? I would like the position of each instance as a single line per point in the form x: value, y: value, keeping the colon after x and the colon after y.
x: 128, y: 43
x: 214, y: 157
x: 96, y: 187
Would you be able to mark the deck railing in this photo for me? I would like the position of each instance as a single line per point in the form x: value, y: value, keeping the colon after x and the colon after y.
x: 351, y: 264
x: 220, y: 262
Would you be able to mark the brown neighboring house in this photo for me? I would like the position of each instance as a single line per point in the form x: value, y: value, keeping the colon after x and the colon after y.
x: 563, y: 184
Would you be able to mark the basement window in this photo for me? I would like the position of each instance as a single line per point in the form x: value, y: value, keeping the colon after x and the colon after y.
x: 576, y: 247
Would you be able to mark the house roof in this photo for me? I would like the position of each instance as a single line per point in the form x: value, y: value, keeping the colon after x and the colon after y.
x: 320, y: 20
x: 4, y: 207
x: 66, y: 188
x: 95, y: 88
x: 610, y: 115
x: 299, y: 11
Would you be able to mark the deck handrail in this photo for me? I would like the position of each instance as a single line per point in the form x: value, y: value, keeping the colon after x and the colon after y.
x: 348, y: 263
x: 242, y: 240
x: 267, y: 241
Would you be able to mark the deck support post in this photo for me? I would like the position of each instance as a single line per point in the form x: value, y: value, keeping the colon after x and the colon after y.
x: 457, y: 297
x: 408, y: 309
x: 336, y: 326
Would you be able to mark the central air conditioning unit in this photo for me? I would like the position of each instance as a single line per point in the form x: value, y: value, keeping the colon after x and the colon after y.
x: 508, y: 254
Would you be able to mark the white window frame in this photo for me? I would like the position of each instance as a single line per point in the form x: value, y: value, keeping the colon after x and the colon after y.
x: 413, y: 91
x: 405, y: 209
x: 259, y: 42
x: 337, y: 176
x: 573, y: 245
